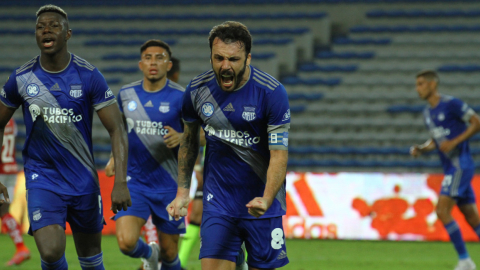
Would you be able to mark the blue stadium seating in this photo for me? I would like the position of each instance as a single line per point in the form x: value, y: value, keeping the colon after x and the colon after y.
x: 414, y: 28
x: 313, y: 81
x: 422, y: 13
x: 305, y: 96
x: 312, y: 67
x: 344, y: 55
x: 361, y: 41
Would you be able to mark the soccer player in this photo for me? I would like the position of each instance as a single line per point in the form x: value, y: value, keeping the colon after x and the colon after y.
x: 245, y: 115
x: 58, y: 92
x: 152, y: 109
x: 8, y: 177
x: 451, y: 122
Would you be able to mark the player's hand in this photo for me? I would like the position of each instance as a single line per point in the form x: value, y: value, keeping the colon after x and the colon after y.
x: 415, y: 151
x: 4, y: 191
x: 110, y: 168
x: 258, y: 206
x: 178, y: 207
x: 172, y: 139
x: 447, y: 146
x: 120, y: 197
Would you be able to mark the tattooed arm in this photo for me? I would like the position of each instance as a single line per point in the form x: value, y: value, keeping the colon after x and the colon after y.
x: 187, y: 155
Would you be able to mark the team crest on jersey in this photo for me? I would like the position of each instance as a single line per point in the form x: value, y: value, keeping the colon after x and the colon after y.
x: 132, y: 106
x: 76, y: 90
x: 33, y: 89
x: 208, y: 109
x: 249, y: 113
x: 34, y: 111
x: 164, y: 107
x: 441, y: 117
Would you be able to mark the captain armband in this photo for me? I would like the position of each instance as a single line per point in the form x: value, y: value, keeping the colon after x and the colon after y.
x: 278, y: 141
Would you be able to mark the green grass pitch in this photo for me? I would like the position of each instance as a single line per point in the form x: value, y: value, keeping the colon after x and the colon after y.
x: 303, y: 255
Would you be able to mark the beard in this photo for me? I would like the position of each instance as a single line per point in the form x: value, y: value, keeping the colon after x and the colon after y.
x: 230, y: 72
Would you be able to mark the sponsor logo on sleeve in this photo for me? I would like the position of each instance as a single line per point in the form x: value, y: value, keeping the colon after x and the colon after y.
x: 108, y: 93
x: 33, y: 89
x: 208, y: 109
x: 76, y: 90
x: 249, y: 113
x: 286, y: 116
x: 4, y: 95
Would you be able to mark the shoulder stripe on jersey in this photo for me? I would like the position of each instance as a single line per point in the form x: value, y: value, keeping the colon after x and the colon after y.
x: 89, y: 67
x: 202, y: 76
x: 175, y: 85
x: 268, y: 76
x: 202, y: 81
x: 264, y: 77
x: 27, y: 65
x: 132, y: 84
x: 81, y: 60
x: 255, y: 76
x: 264, y: 84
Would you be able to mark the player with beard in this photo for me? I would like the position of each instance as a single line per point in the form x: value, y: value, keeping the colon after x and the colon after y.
x: 59, y: 92
x: 451, y: 122
x: 246, y: 118
x: 152, y: 110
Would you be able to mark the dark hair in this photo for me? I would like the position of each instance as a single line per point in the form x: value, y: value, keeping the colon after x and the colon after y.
x: 52, y: 8
x: 175, y: 67
x: 156, y: 43
x: 429, y: 75
x: 230, y: 32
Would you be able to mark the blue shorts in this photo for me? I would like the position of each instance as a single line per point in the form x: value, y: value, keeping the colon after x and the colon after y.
x: 155, y: 204
x: 84, y: 213
x: 222, y: 237
x: 457, y: 184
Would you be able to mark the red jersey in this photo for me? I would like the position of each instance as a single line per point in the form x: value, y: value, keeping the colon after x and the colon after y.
x: 8, y: 164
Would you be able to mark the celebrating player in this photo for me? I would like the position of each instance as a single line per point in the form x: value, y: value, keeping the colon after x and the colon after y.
x: 8, y: 177
x: 451, y: 122
x: 152, y: 109
x: 245, y: 115
x: 58, y: 92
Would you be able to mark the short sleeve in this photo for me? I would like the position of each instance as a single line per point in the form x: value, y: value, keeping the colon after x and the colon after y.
x: 119, y: 101
x: 278, y: 117
x: 461, y: 109
x: 189, y: 113
x: 100, y: 94
x: 9, y: 94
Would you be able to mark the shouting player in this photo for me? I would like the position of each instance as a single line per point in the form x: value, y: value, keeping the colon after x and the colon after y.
x: 246, y: 118
x: 152, y: 109
x: 451, y: 122
x: 58, y: 92
x: 8, y: 177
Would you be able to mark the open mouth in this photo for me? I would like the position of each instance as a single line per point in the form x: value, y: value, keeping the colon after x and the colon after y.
x: 227, y: 79
x: 48, y: 42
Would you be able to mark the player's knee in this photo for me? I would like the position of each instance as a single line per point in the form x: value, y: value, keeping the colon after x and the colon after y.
x: 51, y: 255
x: 126, y: 244
x: 443, y: 215
x: 169, y: 253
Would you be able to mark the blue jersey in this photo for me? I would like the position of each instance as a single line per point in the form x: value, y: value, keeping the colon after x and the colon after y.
x: 58, y: 109
x: 151, y: 165
x: 240, y: 128
x: 445, y: 122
